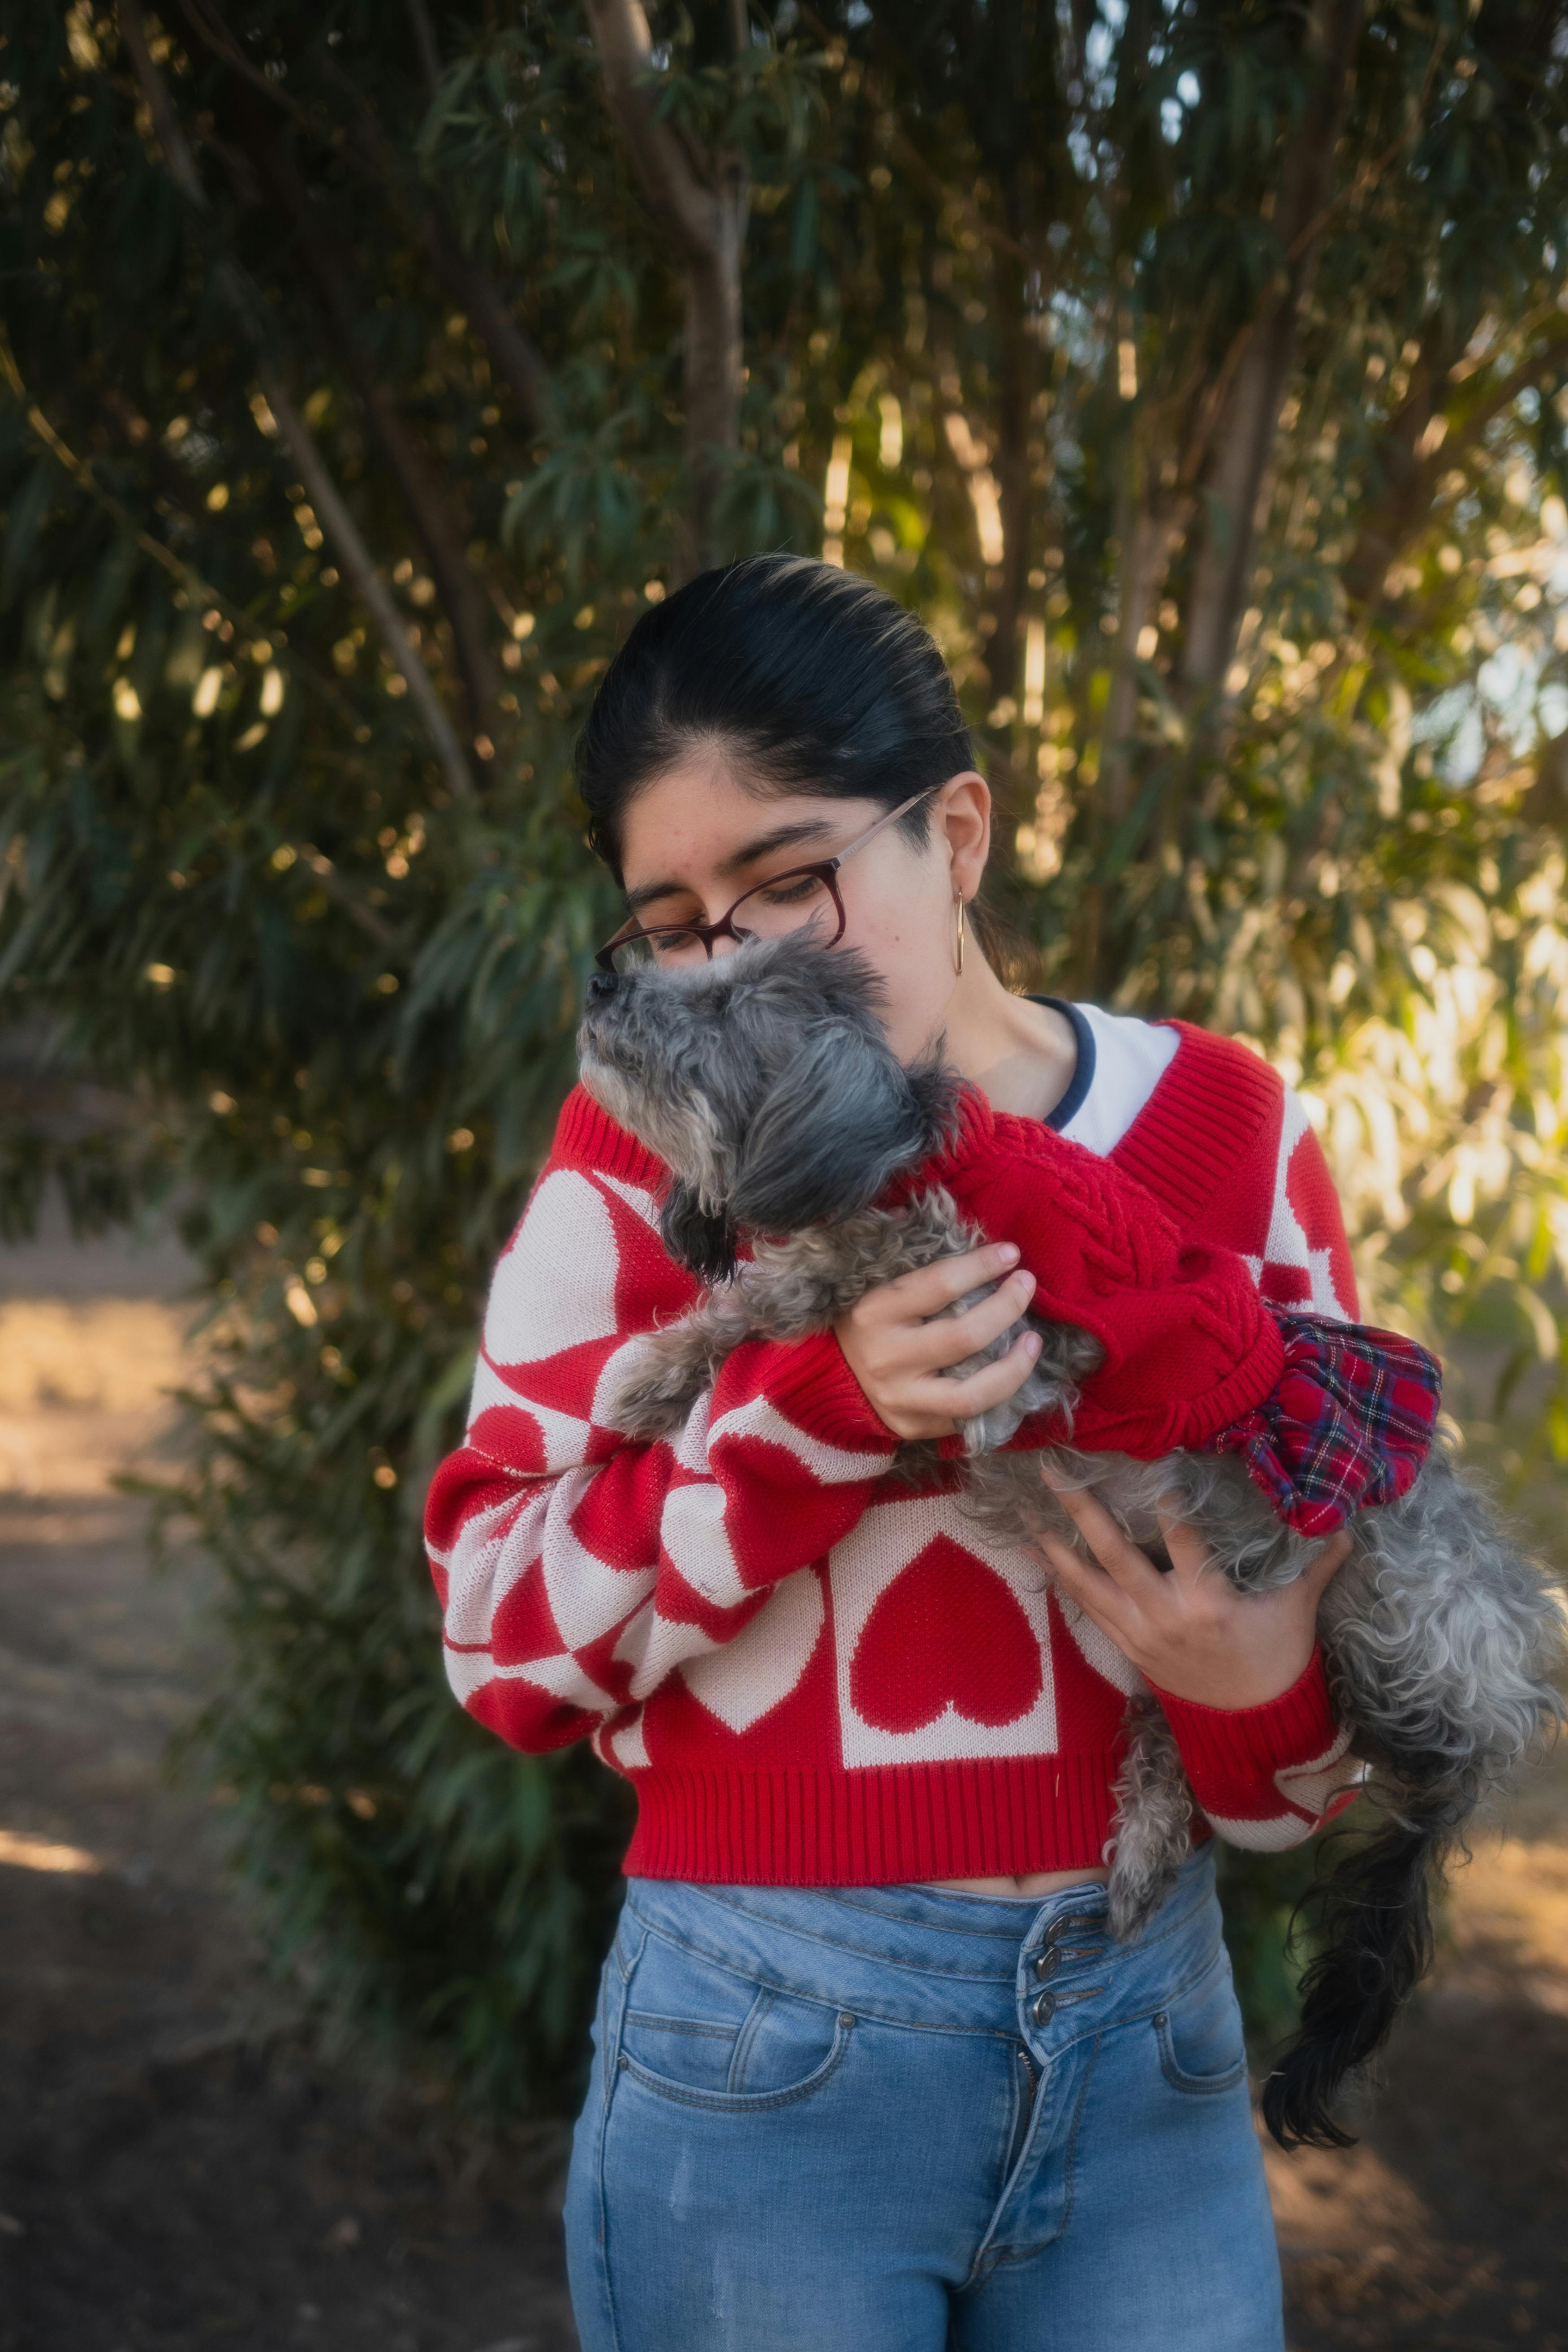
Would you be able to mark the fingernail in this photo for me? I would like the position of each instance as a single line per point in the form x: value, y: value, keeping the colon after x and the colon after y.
x: 1031, y: 1343
x: 1009, y: 1252
x: 1026, y: 1277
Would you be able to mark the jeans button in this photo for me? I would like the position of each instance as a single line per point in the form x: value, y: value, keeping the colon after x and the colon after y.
x: 1046, y: 1964
x: 1044, y: 2008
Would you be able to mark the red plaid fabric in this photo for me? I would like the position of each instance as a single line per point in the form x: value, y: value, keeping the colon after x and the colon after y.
x: 1346, y: 1426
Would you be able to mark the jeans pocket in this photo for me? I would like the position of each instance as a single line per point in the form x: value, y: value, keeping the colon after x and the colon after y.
x: 1200, y: 2038
x: 709, y: 2036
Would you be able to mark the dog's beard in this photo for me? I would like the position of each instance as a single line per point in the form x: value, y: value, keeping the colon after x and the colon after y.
x: 611, y: 1088
x: 767, y: 1088
x: 695, y: 1229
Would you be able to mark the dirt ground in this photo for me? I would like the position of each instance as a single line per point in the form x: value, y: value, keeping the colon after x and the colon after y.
x: 178, y: 2172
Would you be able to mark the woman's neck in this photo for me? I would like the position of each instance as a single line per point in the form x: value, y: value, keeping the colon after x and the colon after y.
x: 1021, y: 1055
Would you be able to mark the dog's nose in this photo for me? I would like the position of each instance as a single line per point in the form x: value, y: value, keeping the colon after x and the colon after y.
x: 601, y: 987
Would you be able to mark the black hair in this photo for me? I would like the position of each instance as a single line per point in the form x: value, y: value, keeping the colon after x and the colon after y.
x: 813, y: 679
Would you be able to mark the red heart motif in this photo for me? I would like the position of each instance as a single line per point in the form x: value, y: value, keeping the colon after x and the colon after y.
x: 946, y: 1630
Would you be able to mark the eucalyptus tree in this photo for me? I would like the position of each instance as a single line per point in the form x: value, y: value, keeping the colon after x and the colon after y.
x: 1195, y: 370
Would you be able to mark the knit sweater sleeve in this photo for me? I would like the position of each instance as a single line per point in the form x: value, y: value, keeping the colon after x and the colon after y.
x: 1268, y: 1777
x: 577, y: 1569
x: 1188, y: 1343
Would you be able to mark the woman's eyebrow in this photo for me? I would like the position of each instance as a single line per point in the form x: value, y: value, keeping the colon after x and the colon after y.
x: 783, y: 836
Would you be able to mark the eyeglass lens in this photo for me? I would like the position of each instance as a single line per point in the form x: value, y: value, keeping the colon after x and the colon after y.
x: 773, y: 910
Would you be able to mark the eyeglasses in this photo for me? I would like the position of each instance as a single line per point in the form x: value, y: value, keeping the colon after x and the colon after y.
x: 792, y: 901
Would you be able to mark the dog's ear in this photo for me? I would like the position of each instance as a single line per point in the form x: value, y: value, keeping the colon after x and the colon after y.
x: 840, y: 1121
x: 934, y: 1086
x: 695, y: 1236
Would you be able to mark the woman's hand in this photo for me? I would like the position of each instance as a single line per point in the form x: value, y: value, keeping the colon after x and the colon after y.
x: 1189, y: 1631
x: 897, y: 1353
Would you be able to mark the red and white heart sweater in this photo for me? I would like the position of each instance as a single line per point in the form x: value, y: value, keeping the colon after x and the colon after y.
x: 812, y: 1676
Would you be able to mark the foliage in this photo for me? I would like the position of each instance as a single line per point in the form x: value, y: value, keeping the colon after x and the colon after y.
x: 1197, y: 371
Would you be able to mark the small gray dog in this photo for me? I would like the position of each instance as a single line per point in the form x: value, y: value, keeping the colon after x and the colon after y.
x: 765, y: 1083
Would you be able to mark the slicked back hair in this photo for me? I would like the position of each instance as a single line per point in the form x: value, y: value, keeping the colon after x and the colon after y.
x: 812, y: 679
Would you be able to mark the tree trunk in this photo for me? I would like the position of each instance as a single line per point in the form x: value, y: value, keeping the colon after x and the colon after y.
x: 703, y: 203
x: 1014, y: 389
x: 1248, y: 426
x: 1148, y: 533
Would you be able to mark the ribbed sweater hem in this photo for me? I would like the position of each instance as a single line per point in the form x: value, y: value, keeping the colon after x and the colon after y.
x: 799, y: 1826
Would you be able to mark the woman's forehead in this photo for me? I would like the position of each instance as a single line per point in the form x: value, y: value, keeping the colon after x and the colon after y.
x: 700, y: 820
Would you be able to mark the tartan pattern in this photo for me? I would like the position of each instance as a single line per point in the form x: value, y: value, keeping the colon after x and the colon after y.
x: 1347, y: 1425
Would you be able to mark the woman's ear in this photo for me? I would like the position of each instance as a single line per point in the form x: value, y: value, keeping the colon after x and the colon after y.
x: 962, y: 816
x: 842, y: 1119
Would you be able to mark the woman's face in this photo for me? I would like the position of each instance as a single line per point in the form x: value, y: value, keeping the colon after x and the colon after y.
x: 696, y: 837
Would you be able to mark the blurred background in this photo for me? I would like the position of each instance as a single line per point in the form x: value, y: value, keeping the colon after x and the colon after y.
x: 1198, y: 371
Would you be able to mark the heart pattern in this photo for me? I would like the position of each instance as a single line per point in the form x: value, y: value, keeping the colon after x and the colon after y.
x: 947, y: 1633
x: 1306, y: 1260
x: 941, y: 1652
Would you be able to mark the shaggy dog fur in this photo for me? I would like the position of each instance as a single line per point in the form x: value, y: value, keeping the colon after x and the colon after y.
x: 765, y: 1083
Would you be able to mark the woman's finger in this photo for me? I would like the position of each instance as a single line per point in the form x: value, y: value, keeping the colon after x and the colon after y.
x: 1190, y: 1556
x: 1321, y: 1571
x: 945, y: 1339
x: 1120, y: 1556
x: 1097, y: 1594
x: 978, y: 1390
x: 911, y: 1297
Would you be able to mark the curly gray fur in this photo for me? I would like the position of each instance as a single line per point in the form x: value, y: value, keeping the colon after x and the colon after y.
x: 765, y: 1083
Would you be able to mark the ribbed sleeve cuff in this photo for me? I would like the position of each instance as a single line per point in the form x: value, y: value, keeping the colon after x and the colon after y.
x: 1226, y: 1749
x: 1245, y: 1385
x: 814, y: 1387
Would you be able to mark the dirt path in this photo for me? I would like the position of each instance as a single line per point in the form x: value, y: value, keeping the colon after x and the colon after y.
x: 177, y: 2174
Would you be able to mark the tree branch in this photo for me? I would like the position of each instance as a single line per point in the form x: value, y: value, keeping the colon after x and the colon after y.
x: 1246, y: 431
x: 709, y: 225
x: 423, y: 34
x: 247, y: 629
x: 279, y: 181
x: 462, y: 597
x: 337, y: 523
x: 682, y: 200
x: 513, y: 352
x: 1410, y: 481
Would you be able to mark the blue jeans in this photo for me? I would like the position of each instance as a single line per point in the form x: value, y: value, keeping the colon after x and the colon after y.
x: 886, y: 2119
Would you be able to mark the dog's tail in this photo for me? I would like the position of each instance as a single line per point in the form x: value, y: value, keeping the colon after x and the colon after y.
x: 1373, y: 1914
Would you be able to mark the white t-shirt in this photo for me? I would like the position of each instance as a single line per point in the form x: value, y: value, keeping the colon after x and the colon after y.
x: 1120, y: 1060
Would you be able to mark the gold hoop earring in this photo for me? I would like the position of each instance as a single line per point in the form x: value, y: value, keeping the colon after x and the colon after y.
x: 960, y: 956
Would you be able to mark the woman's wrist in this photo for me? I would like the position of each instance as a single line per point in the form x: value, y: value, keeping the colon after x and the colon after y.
x: 1239, y: 1695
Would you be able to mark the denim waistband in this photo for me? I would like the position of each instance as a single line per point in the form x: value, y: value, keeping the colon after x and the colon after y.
x: 912, y: 1956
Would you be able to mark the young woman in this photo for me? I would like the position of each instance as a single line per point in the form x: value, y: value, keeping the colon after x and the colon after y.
x: 869, y: 2074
